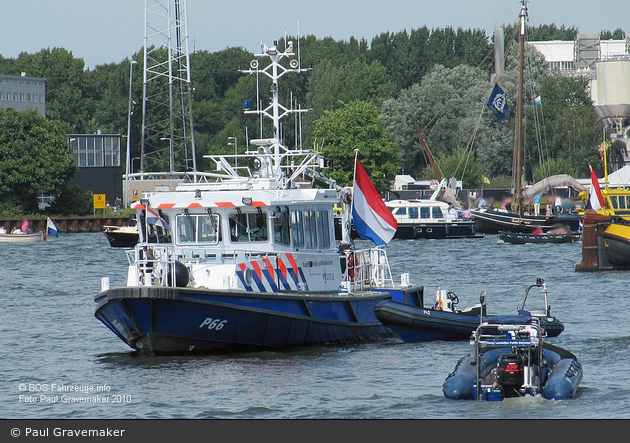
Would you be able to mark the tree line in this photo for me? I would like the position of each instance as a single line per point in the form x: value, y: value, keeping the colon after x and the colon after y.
x: 374, y: 97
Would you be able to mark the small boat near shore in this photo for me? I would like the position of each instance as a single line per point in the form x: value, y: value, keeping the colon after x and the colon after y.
x: 22, y: 238
x: 429, y: 219
x: 521, y: 238
x: 123, y: 236
x: 512, y: 359
x: 412, y: 321
x: 25, y: 234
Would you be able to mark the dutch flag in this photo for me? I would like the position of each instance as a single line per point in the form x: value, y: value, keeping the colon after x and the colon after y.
x: 153, y: 218
x: 371, y: 218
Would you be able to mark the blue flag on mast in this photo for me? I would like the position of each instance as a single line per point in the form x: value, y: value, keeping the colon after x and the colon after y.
x: 498, y: 103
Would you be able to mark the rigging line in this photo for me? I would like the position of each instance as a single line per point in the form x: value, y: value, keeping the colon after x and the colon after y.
x: 544, y: 155
x: 469, y: 148
x: 471, y: 141
x: 532, y: 93
x: 511, y: 42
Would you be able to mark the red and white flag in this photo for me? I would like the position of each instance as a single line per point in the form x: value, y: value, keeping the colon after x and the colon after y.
x: 596, y: 201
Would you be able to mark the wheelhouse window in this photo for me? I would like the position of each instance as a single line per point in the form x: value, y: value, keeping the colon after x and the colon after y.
x: 310, y: 229
x: 437, y: 212
x: 297, y: 229
x: 281, y: 223
x: 613, y: 202
x: 622, y: 202
x: 413, y: 212
x: 248, y: 227
x: 323, y: 229
x: 198, y: 229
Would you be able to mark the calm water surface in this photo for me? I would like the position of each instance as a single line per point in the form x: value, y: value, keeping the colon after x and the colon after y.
x: 49, y: 339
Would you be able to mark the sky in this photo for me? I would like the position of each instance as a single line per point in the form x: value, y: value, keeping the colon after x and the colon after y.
x: 109, y: 31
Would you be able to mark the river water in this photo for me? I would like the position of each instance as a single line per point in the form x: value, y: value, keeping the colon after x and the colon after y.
x: 55, y: 354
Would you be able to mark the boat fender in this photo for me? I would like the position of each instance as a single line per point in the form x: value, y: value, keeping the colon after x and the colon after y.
x: 439, y: 305
x: 182, y: 276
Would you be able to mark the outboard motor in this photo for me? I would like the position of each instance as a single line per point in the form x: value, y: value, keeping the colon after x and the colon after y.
x: 510, y: 374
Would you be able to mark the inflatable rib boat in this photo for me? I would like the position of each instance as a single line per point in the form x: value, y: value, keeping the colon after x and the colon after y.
x: 512, y: 360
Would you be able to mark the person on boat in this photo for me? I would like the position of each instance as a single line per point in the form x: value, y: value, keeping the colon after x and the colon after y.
x: 548, y: 210
x: 560, y: 230
x: 16, y: 231
x: 208, y: 230
x: 558, y: 204
x: 537, y: 204
x: 481, y: 202
x: 260, y: 233
x: 453, y: 213
x: 25, y: 228
x: 472, y: 198
x: 3, y: 230
x: 466, y: 214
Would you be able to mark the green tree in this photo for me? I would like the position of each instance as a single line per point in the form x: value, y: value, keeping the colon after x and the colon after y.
x: 74, y: 201
x: 446, y: 109
x: 330, y: 87
x: 67, y: 92
x: 407, y: 57
x: 542, y: 33
x: 461, y: 165
x: 569, y: 129
x: 615, y: 154
x: 553, y: 167
x: 357, y: 125
x: 617, y: 34
x: 34, y: 158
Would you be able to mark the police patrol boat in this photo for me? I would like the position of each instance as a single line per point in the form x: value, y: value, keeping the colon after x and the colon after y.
x: 248, y: 260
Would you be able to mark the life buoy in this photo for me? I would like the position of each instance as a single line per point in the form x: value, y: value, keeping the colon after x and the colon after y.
x: 351, y: 267
x: 439, y: 305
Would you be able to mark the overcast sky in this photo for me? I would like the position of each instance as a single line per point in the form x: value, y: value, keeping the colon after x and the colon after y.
x: 108, y: 31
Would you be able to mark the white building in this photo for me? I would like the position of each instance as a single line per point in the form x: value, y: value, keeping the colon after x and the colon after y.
x: 23, y: 92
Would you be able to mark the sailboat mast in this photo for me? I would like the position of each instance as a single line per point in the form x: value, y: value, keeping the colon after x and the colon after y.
x: 438, y: 176
x: 519, y: 112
